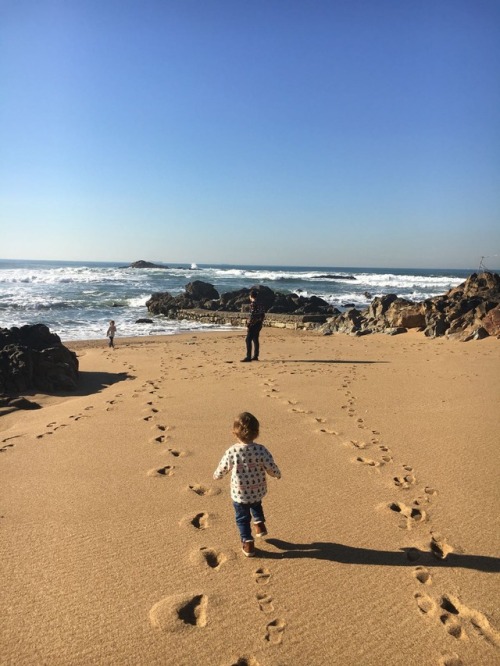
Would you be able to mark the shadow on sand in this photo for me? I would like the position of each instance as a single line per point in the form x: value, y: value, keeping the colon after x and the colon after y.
x: 337, y: 552
x: 88, y: 383
x: 94, y: 382
x: 323, y: 360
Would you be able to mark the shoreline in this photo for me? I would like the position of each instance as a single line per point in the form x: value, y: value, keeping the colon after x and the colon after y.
x: 386, y: 515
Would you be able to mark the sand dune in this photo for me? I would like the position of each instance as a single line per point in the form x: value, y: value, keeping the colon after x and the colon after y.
x: 118, y: 547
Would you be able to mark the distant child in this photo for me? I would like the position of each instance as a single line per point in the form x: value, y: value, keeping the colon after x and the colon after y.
x: 248, y: 462
x: 254, y: 326
x: 111, y: 333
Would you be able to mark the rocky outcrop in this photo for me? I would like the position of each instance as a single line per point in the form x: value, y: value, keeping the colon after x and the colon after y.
x: 470, y: 311
x: 203, y: 296
x: 145, y: 264
x: 33, y: 358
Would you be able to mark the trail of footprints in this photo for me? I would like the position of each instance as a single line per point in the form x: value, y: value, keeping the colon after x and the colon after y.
x: 458, y: 620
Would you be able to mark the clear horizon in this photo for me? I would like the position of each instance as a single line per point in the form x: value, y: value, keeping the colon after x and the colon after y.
x: 345, y: 133
x: 490, y: 268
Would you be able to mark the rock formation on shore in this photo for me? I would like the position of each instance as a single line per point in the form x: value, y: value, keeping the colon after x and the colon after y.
x: 470, y: 311
x: 33, y: 358
x: 203, y: 295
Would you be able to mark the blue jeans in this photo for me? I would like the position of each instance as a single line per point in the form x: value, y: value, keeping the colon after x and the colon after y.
x: 253, y: 336
x: 244, y: 514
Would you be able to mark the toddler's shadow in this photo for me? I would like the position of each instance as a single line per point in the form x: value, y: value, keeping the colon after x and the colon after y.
x: 337, y: 552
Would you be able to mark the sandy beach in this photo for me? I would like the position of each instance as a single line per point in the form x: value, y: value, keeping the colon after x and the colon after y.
x: 118, y: 547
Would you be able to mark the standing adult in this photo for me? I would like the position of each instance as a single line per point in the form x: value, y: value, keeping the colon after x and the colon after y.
x: 254, y: 325
x: 111, y: 333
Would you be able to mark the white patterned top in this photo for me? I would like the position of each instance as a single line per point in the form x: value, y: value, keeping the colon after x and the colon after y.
x: 248, y: 464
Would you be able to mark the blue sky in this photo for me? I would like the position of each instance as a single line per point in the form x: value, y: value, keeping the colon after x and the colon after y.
x: 329, y: 133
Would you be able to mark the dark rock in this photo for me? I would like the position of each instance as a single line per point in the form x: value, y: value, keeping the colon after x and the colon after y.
x: 478, y: 334
x: 145, y: 264
x: 203, y: 296
x: 396, y: 331
x: 143, y: 321
x: 459, y: 313
x: 201, y: 291
x: 491, y: 321
x: 31, y: 357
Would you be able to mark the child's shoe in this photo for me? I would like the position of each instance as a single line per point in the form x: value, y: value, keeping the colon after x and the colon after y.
x: 248, y: 548
x: 260, y: 530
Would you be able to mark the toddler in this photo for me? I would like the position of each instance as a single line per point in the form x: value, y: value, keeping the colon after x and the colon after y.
x: 111, y: 332
x: 248, y: 462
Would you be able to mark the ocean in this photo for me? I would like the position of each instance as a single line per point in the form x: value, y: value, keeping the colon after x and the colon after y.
x: 76, y: 300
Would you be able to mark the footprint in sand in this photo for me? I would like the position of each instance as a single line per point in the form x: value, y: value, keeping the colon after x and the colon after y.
x: 262, y: 576
x: 274, y: 631
x: 9, y: 438
x: 405, y: 482
x: 426, y: 604
x: 368, y: 461
x: 203, y: 491
x: 450, y: 659
x: 423, y: 575
x: 456, y: 614
x: 163, y: 428
x: 246, y: 661
x: 176, y: 453
x: 168, y: 470
x: 411, y: 515
x: 210, y: 557
x: 413, y: 554
x: 199, y: 521
x: 175, y: 612
x: 439, y: 546
x: 265, y: 602
x: 356, y: 444
x: 3, y: 449
x: 329, y: 432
